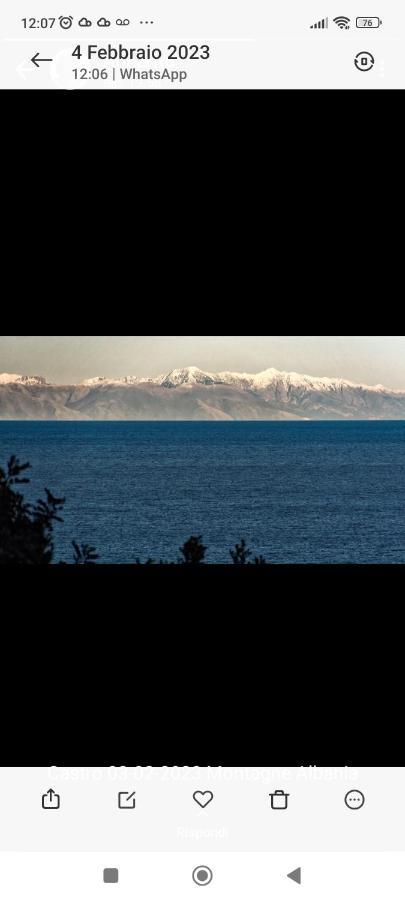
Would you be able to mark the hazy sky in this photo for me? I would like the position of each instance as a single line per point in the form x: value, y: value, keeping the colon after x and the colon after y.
x: 69, y: 359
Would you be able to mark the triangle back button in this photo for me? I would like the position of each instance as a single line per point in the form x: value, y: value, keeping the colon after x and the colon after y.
x: 295, y: 876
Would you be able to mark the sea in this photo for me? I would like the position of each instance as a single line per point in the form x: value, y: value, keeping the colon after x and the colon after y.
x: 297, y: 492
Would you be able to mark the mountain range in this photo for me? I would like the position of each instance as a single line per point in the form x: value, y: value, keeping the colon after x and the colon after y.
x: 191, y: 394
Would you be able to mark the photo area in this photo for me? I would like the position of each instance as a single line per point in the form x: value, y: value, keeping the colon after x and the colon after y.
x: 234, y: 451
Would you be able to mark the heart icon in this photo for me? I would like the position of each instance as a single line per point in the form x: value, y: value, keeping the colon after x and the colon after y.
x: 203, y: 798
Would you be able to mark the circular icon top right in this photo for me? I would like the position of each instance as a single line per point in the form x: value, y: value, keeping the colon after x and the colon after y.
x: 364, y: 62
x: 355, y: 800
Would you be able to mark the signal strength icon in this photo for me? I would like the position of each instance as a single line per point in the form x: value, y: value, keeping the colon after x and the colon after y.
x: 342, y: 22
x: 324, y: 23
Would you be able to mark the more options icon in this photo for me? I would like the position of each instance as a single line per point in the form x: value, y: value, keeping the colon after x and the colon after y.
x: 355, y: 800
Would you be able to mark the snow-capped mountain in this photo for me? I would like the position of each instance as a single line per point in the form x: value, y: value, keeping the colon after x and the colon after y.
x: 101, y: 380
x: 175, y: 378
x: 5, y: 378
x: 272, y: 378
x: 191, y: 394
x: 189, y: 376
x: 126, y: 380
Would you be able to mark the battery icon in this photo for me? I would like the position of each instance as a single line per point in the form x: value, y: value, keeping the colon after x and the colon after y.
x: 373, y: 22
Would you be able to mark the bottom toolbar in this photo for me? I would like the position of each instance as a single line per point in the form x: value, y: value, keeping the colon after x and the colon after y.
x: 259, y: 876
x: 157, y: 809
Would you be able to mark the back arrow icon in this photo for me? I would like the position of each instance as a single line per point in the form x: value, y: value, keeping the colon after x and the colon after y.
x: 296, y: 876
x: 36, y: 60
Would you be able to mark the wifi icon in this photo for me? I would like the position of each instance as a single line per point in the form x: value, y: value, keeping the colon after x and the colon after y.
x: 342, y: 22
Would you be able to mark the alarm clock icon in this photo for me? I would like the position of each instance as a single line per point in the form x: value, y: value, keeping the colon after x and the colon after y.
x: 66, y: 22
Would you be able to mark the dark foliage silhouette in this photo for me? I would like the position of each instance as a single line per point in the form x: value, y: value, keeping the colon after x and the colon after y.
x: 193, y: 552
x: 240, y: 554
x: 260, y: 561
x: 26, y: 530
x: 84, y: 554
